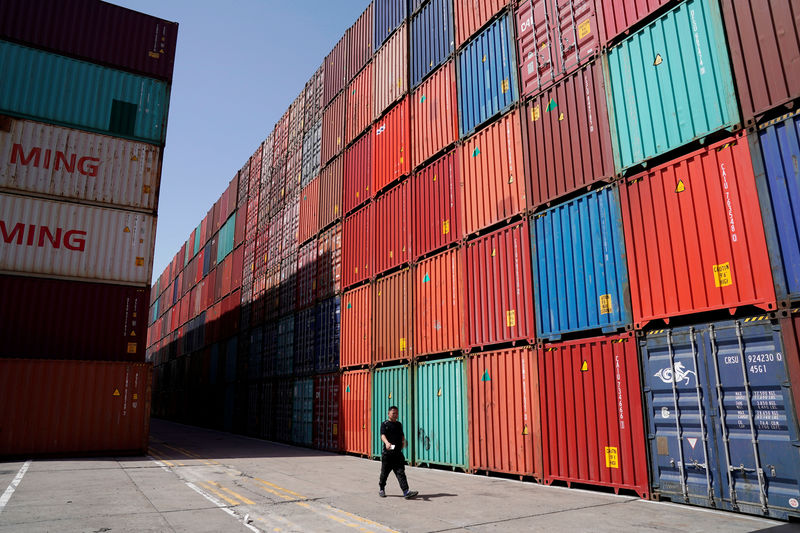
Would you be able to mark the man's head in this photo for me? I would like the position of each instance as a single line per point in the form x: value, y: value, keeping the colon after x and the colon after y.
x: 393, y: 413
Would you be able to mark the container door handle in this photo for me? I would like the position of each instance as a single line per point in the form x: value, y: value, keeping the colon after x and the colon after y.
x: 678, y: 427
x: 701, y: 416
x: 725, y: 438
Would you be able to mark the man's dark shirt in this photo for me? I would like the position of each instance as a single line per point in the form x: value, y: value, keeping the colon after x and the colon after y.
x: 394, y: 434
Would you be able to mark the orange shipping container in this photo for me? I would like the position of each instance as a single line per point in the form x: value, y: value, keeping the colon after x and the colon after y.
x: 354, y: 418
x: 359, y: 104
x: 330, y: 193
x: 358, y: 170
x: 309, y: 210
x: 436, y: 200
x: 357, y: 245
x: 391, y: 146
x: 392, y: 319
x: 356, y: 316
x: 471, y: 15
x: 329, y: 262
x: 392, y: 231
x: 359, y: 39
x: 391, y: 71
x: 434, y: 122
x: 439, y: 322
x: 333, y: 128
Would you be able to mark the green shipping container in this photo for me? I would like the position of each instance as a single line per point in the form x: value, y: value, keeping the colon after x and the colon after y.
x: 670, y: 83
x: 440, y: 413
x: 77, y: 94
x: 391, y: 386
x: 225, y: 240
x: 197, y: 239
x: 303, y: 412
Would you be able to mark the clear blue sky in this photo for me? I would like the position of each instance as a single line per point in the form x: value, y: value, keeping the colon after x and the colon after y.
x: 239, y: 66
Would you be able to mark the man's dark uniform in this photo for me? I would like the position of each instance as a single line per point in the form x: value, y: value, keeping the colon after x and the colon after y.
x: 393, y: 460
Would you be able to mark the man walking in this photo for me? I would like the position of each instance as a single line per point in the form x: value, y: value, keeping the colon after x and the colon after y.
x: 392, y: 458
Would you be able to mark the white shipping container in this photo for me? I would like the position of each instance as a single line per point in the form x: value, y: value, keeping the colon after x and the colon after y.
x: 65, y: 163
x: 75, y: 241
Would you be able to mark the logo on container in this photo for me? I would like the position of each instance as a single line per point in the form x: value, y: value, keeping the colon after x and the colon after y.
x: 37, y: 235
x: 88, y: 166
x: 668, y: 375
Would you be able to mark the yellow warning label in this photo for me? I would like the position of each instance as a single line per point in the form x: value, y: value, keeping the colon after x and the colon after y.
x: 585, y: 366
x: 658, y: 60
x: 338, y: 141
x: 525, y: 430
x: 584, y: 29
x: 511, y: 318
x: 484, y: 58
x: 494, y: 252
x: 146, y: 189
x: 535, y: 113
x: 681, y: 187
x: 612, y: 458
x: 133, y: 334
x: 722, y: 275
x: 561, y: 117
x: 116, y: 392
x: 434, y: 178
x: 132, y: 347
x: 504, y: 86
x: 135, y: 396
x: 390, y: 395
x: 402, y: 344
x: 154, y: 55
x: 357, y: 194
x: 139, y: 261
x: 126, y: 230
x: 336, y: 209
x: 605, y: 304
x: 439, y: 393
x: 391, y: 253
x: 445, y: 227
x: 399, y: 83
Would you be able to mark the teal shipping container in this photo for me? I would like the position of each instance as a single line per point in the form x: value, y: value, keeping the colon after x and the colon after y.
x: 670, y: 83
x: 225, y: 238
x: 303, y: 411
x: 391, y: 386
x: 440, y: 413
x: 59, y: 90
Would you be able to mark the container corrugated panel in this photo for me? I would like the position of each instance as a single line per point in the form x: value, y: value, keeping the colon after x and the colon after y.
x: 359, y: 104
x: 312, y: 153
x: 434, y: 118
x: 305, y: 349
x: 389, y: 14
x: 390, y: 74
x: 296, y: 118
x: 431, y: 38
x: 359, y: 42
x: 439, y: 322
x: 696, y: 218
x: 391, y: 146
x: 288, y: 284
x: 330, y: 193
x: 620, y: 16
x: 498, y: 276
x: 392, y: 230
x: 437, y: 205
x: 284, y: 406
x: 392, y: 318
x: 75, y: 241
x: 102, y: 99
x: 56, y: 319
x: 284, y: 349
x: 37, y: 418
x: 328, y: 334
x: 356, y: 337
x: 312, y: 110
x: 569, y: 140
x: 355, y: 412
x: 790, y: 330
x: 291, y: 224
x: 592, y: 419
x: 504, y: 412
x: 307, y: 274
x: 329, y: 262
x: 487, y: 76
x: 333, y: 128
x: 391, y: 387
x: 335, y: 71
x: 358, y: 170
x: 440, y: 408
x: 357, y: 245
x: 73, y: 165
x: 676, y: 66
x: 281, y: 135
x: 309, y: 211
x: 580, y: 266
x: 721, y: 420
x: 492, y: 175
x: 776, y: 149
x: 470, y: 15
x: 326, y: 412
x: 294, y: 170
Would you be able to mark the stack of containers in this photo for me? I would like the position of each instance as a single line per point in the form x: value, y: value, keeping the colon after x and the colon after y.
x: 83, y: 119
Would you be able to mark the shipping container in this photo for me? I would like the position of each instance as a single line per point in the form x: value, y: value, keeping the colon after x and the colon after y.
x: 357, y: 245
x: 359, y: 104
x: 492, y: 175
x: 470, y: 16
x: 434, y: 119
x: 440, y: 414
x: 677, y: 66
x: 391, y: 146
x: 359, y: 42
x: 356, y: 335
x: 312, y: 110
x: 294, y: 169
x: 432, y: 40
x: 284, y: 408
x: 392, y: 318
x: 696, y: 218
x: 328, y: 317
x: 392, y: 230
x: 436, y: 202
x: 439, y: 321
x: 722, y: 426
x: 102, y: 99
x: 326, y: 412
x: 487, y: 76
x: 303, y: 411
x: 330, y: 193
x: 391, y: 387
x: 355, y: 412
x: 358, y: 171
x: 790, y: 329
x: 291, y: 224
x: 309, y: 211
x: 284, y: 346
x: 66, y: 240
x: 499, y: 295
x: 333, y: 128
x: 335, y: 71
x: 307, y: 274
x: 390, y: 71
x: 288, y: 285
x: 305, y: 330
x: 329, y: 262
x: 312, y: 153
x: 74, y: 407
x: 504, y: 417
x: 389, y: 14
x: 296, y: 118
x: 618, y: 18
x: 592, y: 418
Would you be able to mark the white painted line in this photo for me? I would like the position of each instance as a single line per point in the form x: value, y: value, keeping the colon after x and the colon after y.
x: 221, y: 506
x: 14, y: 484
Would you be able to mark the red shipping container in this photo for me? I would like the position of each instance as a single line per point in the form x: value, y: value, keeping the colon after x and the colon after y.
x: 309, y: 210
x: 492, y: 175
x: 694, y: 236
x: 504, y: 415
x: 359, y: 42
x: 391, y: 71
x: 307, y: 274
x: 74, y: 407
x: 471, y: 15
x: 593, y: 427
x: 329, y: 262
x: 355, y: 412
x: 359, y: 104
x: 333, y: 128
x: 330, y: 193
x: 391, y: 146
x: 326, y: 412
x: 436, y: 202
x: 569, y: 140
x: 358, y: 171
x: 499, y: 285
x: 239, y: 228
x: 619, y: 16
x: 356, y: 317
x: 227, y: 274
x: 790, y: 328
x: 296, y: 117
x: 439, y: 322
x: 392, y: 233
x: 236, y: 268
x: 434, y: 118
x: 392, y: 319
x: 281, y: 138
x: 357, y: 246
x: 335, y: 71
x: 232, y: 192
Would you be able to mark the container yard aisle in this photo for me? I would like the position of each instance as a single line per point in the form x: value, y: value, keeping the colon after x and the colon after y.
x: 201, y: 480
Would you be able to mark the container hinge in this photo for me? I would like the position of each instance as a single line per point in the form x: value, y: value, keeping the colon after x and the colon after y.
x: 743, y: 469
x: 796, y: 443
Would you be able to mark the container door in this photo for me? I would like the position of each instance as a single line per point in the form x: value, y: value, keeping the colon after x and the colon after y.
x: 575, y: 35
x: 535, y: 21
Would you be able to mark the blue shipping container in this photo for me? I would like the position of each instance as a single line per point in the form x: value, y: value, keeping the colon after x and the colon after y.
x: 303, y: 411
x: 284, y: 350
x: 328, y: 327
x: 776, y: 152
x: 56, y: 89
x: 389, y: 14
x: 432, y: 39
x: 734, y: 372
x: 579, y: 266
x: 305, y: 330
x: 487, y: 76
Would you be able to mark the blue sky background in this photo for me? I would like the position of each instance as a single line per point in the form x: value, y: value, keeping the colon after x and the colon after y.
x: 239, y: 66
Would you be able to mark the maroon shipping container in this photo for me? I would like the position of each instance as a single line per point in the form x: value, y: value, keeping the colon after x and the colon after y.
x: 329, y: 262
x: 281, y: 135
x: 471, y: 15
x: 569, y: 140
x: 392, y: 233
x: 790, y: 328
x: 436, y: 202
x: 434, y: 120
x: 330, y: 193
x: 53, y: 319
x: 764, y: 42
x: 94, y: 31
x: 359, y: 104
x: 326, y: 412
x: 357, y: 246
x: 391, y: 146
x: 621, y: 16
x: 313, y: 105
x: 439, y: 322
x: 236, y: 268
x: 504, y: 416
x: 296, y: 120
x: 356, y: 330
x: 307, y: 274
x: 309, y: 211
x: 333, y: 128
x: 392, y: 318
x: 593, y: 427
x: 391, y: 71
x: 359, y: 42
x: 499, y: 287
x: 358, y: 171
x: 294, y: 170
x: 291, y: 225
x: 239, y: 227
x: 335, y: 71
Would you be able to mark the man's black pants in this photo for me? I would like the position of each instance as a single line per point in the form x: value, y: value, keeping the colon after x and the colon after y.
x: 393, y: 461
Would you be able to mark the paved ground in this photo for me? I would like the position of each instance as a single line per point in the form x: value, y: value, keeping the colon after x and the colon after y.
x: 197, y: 480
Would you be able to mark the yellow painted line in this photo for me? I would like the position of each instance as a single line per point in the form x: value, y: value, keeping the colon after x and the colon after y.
x: 160, y: 458
x: 348, y: 524
x: 276, y: 493
x: 280, y: 488
x: 235, y: 494
x: 189, y: 454
x: 360, y: 518
x: 218, y: 493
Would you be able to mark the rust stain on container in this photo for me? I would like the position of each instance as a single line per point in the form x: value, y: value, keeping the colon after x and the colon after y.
x: 391, y: 71
x: 356, y: 338
x: 392, y: 319
x: 439, y: 321
x: 433, y: 114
